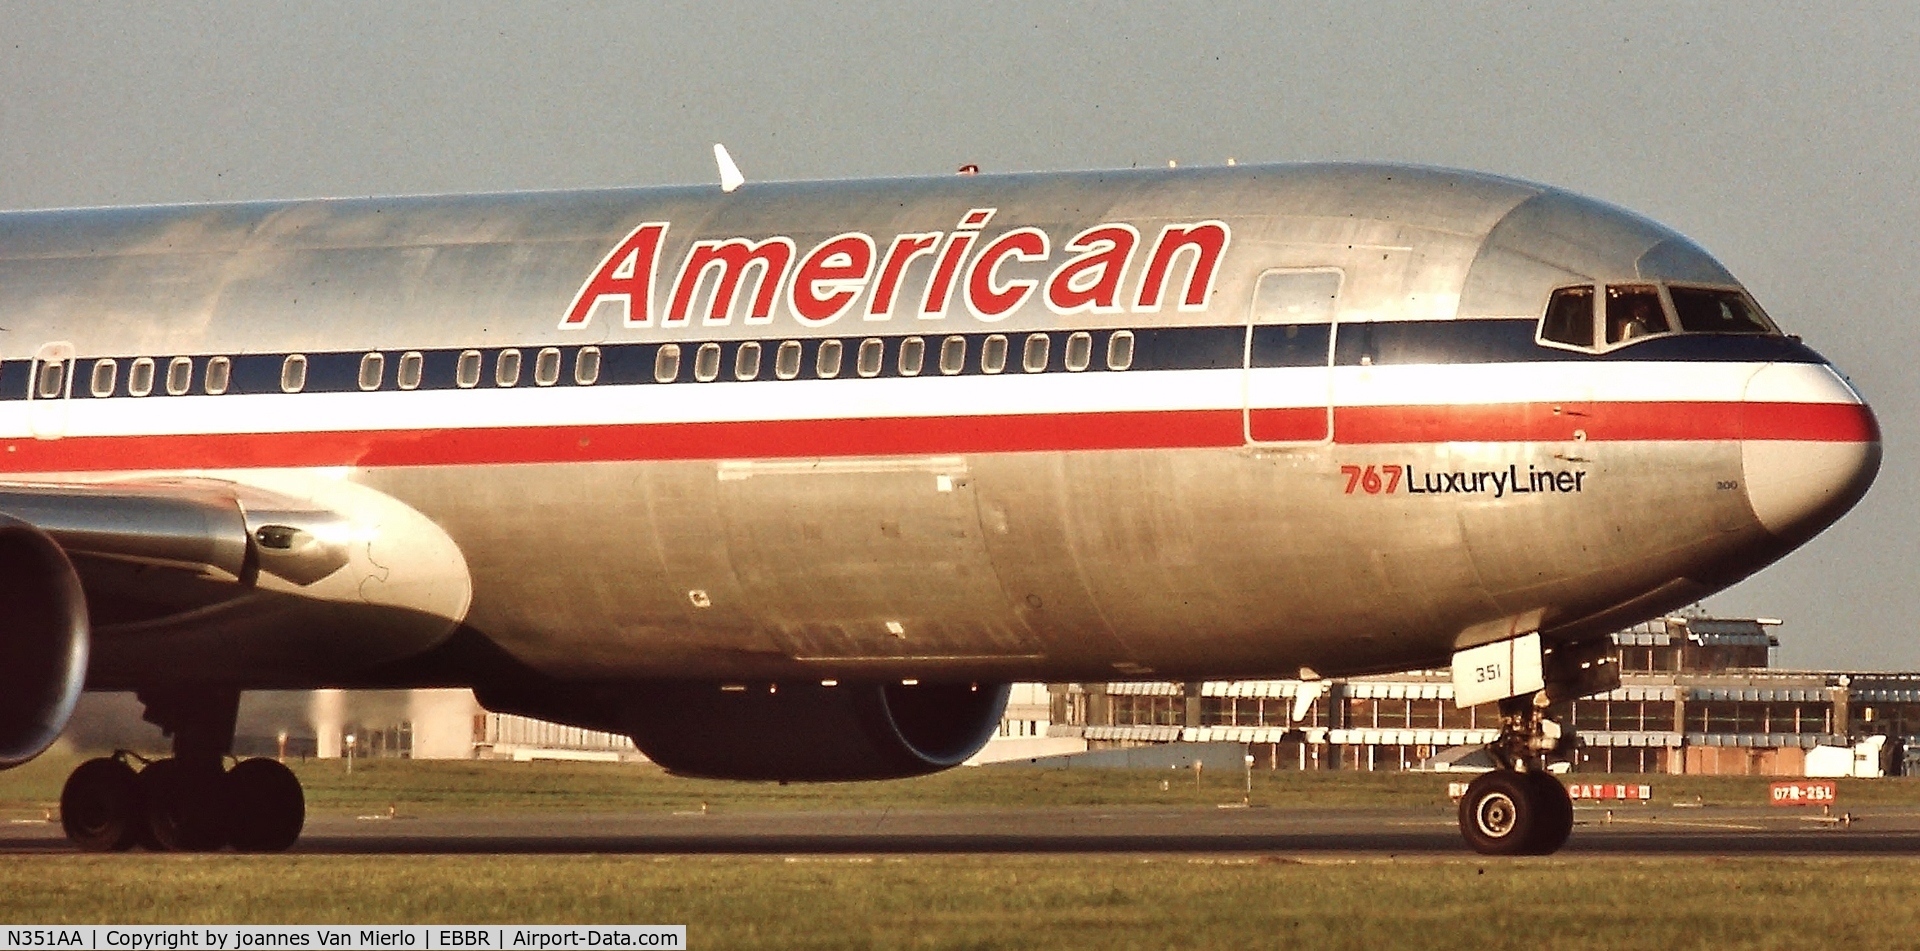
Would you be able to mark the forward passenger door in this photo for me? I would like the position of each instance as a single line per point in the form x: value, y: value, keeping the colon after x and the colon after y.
x: 1287, y: 366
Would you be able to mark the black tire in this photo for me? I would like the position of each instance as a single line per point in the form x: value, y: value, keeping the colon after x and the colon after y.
x: 1556, y: 814
x: 186, y: 805
x: 1500, y: 812
x: 266, y: 806
x: 100, y: 806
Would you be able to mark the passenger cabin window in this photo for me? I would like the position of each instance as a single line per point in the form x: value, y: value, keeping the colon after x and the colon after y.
x: 411, y: 364
x: 1079, y: 351
x: 1634, y: 311
x: 373, y: 371
x: 953, y: 355
x: 293, y: 373
x: 786, y: 360
x: 746, y: 361
x: 706, y: 363
x: 546, y: 367
x: 666, y: 363
x: 466, y: 372
x: 1120, y: 350
x: 993, y: 354
x: 1704, y: 311
x: 140, y: 377
x: 53, y: 376
x: 1569, y: 317
x: 913, y: 356
x: 826, y: 363
x: 1034, y: 359
x: 586, y: 366
x: 106, y: 374
x: 873, y: 351
x: 219, y: 374
x: 506, y: 368
x: 179, y: 376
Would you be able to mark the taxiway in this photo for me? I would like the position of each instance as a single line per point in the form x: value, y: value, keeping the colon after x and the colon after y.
x: 1624, y: 830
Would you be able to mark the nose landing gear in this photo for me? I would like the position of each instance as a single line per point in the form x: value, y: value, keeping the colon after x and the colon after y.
x: 1520, y: 808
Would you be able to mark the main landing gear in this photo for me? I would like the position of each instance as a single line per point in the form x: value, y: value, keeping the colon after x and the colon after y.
x: 1519, y: 808
x: 175, y: 806
x: 190, y: 802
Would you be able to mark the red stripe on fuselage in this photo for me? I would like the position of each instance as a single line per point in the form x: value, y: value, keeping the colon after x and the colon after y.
x: 774, y: 439
x: 1605, y: 422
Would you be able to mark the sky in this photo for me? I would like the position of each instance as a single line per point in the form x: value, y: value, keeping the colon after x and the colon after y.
x: 1780, y: 137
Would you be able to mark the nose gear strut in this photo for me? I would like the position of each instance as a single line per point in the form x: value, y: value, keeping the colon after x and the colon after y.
x: 1520, y: 808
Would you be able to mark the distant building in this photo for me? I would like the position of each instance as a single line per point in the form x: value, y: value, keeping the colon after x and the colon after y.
x: 450, y: 724
x: 1697, y: 696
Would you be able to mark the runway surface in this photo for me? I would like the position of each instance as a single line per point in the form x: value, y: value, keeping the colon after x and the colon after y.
x: 1622, y: 830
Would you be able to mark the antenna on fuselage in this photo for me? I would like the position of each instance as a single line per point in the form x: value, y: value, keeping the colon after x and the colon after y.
x: 730, y: 177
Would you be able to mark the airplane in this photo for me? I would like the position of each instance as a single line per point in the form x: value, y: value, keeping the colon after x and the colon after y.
x: 789, y: 481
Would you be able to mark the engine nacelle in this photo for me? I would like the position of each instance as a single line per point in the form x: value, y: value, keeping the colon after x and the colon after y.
x: 803, y: 732
x: 813, y: 733
x: 43, y: 641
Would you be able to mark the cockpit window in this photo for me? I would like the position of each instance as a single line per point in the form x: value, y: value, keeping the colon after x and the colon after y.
x: 1569, y: 317
x: 1634, y: 311
x: 1630, y: 312
x: 1717, y: 312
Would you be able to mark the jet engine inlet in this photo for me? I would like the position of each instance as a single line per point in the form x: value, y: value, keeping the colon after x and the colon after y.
x: 43, y: 642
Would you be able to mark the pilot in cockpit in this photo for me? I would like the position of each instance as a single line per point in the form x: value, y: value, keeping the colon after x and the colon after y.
x: 1633, y: 313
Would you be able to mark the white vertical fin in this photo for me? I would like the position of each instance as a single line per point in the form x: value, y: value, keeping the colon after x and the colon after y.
x: 1303, y: 701
x: 730, y: 177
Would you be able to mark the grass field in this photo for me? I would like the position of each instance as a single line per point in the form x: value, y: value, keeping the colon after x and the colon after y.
x: 961, y: 901
x: 1021, y: 902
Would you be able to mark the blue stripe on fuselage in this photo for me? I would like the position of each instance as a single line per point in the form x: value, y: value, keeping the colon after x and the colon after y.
x: 1512, y: 341
x: 1163, y: 348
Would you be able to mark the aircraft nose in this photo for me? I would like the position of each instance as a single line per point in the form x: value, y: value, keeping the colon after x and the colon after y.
x: 1810, y: 447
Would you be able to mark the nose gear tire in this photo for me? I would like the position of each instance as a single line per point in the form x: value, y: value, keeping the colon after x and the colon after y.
x: 1498, y: 813
x: 1556, y: 814
x: 1512, y: 813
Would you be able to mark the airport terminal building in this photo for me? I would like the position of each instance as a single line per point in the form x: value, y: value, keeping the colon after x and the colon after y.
x: 1698, y: 695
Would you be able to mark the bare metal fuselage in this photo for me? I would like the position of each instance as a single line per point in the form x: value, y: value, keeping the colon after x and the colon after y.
x: 1213, y: 497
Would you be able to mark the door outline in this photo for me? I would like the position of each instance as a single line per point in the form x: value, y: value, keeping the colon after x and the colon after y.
x: 1249, y: 391
x: 47, y: 415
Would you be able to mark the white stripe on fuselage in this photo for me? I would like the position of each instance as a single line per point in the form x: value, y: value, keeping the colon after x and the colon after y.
x: 1012, y: 393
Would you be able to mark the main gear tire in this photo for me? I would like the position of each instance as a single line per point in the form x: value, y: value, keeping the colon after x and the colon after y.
x: 266, y: 807
x: 100, y: 807
x: 186, y: 805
